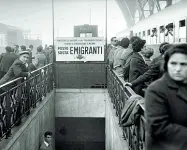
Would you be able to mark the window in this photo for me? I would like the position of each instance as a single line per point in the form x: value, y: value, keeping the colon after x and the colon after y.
x: 161, y: 35
x: 182, y: 23
x: 139, y: 34
x: 170, y: 32
x: 143, y: 33
x: 154, y: 36
x: 182, y: 31
x: 88, y: 34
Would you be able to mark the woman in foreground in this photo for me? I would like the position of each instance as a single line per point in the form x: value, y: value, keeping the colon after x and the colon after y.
x: 166, y: 104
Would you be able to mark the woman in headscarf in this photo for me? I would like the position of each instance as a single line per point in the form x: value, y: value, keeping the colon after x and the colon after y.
x: 166, y: 104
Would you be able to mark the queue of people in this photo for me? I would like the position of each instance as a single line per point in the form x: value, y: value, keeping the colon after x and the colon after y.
x: 165, y: 81
x: 19, y: 63
x: 130, y: 59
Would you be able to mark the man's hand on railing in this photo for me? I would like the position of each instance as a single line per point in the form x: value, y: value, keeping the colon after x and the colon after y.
x: 42, y: 70
x: 29, y: 74
x: 128, y: 84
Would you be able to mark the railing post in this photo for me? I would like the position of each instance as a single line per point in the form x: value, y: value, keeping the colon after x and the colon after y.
x: 28, y: 99
x: 53, y: 76
x: 34, y: 98
x: 40, y: 94
x: 45, y: 81
x: 18, y: 104
x: 7, y: 113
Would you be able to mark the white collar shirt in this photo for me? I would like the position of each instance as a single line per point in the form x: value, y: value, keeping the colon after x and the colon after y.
x: 47, y: 144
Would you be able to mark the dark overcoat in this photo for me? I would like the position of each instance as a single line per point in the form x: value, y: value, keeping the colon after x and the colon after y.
x: 137, y: 68
x: 150, y: 75
x: 6, y: 60
x: 18, y: 69
x: 166, y: 115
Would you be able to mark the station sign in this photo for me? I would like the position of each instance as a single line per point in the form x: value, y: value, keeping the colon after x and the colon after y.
x: 79, y: 49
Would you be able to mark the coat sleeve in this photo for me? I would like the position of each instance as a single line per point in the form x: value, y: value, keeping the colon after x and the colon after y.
x: 138, y: 67
x: 18, y: 71
x: 158, y: 119
x: 1, y: 57
x: 153, y: 72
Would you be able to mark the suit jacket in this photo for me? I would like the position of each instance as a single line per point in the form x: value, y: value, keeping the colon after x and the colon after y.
x: 6, y: 60
x: 137, y: 68
x: 18, y: 69
x: 45, y: 147
x: 166, y: 119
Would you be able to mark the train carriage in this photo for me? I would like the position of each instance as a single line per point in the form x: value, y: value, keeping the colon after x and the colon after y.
x: 168, y: 25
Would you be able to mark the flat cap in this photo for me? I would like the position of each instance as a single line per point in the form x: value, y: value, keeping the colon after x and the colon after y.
x: 24, y: 52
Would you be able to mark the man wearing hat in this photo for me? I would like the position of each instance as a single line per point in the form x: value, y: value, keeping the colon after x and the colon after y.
x: 18, y: 68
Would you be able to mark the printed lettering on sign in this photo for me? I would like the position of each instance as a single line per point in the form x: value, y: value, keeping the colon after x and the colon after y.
x: 80, y: 49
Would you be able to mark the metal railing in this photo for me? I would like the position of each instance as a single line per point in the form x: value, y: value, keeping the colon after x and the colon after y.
x: 20, y: 96
x: 119, y: 93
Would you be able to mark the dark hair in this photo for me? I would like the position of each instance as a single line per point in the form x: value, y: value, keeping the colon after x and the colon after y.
x: 8, y: 49
x: 133, y: 38
x: 166, y: 47
x: 162, y: 46
x: 124, y: 42
x: 137, y: 45
x: 113, y: 38
x: 39, y: 48
x: 30, y: 46
x: 23, y: 47
x: 51, y: 46
x: 148, y: 52
x: 17, y: 46
x: 48, y: 133
x: 177, y: 48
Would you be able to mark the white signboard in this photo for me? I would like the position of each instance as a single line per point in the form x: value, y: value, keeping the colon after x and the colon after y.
x: 79, y: 49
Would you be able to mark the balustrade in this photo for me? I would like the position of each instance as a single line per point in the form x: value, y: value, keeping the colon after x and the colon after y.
x: 119, y: 93
x: 20, y: 96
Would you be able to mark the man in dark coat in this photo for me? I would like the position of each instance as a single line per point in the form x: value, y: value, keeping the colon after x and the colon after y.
x: 30, y: 49
x: 6, y: 60
x: 48, y: 52
x: 18, y: 68
x: 40, y: 57
x: 154, y: 72
x: 16, y: 49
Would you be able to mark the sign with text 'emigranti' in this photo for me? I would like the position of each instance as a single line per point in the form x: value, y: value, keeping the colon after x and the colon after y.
x: 80, y: 49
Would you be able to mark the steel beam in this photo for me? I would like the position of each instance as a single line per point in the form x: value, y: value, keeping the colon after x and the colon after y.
x: 151, y: 6
x: 157, y: 5
x: 141, y: 10
x: 126, y: 10
x: 169, y: 3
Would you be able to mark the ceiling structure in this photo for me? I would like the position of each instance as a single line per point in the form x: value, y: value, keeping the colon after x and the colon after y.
x: 136, y: 10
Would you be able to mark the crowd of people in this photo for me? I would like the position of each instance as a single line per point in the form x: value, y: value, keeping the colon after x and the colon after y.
x: 131, y: 60
x: 19, y: 61
x: 164, y: 79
